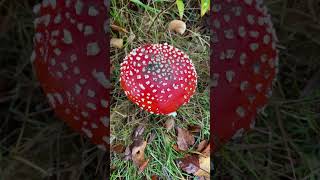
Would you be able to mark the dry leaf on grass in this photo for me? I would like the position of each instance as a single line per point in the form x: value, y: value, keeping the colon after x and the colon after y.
x: 204, y: 170
x: 169, y: 124
x: 118, y: 28
x: 154, y: 177
x: 135, y: 151
x: 202, y: 145
x: 116, y: 43
x: 185, y: 139
x: 177, y: 26
x: 118, y: 148
x: 206, y: 151
x: 194, y: 128
x: 137, y: 154
x: 197, y: 165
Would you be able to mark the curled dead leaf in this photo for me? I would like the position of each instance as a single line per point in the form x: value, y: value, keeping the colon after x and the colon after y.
x: 184, y: 139
x: 202, y: 145
x: 169, y: 124
x: 206, y: 151
x: 116, y: 43
x: 177, y: 26
x: 118, y: 28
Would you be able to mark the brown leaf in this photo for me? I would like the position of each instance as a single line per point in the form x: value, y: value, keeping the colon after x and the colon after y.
x: 196, y: 165
x: 185, y: 139
x: 138, y: 131
x: 137, y: 154
x: 169, y: 124
x: 175, y: 147
x: 118, y: 28
x: 118, y: 148
x: 202, y: 145
x: 151, y: 137
x: 194, y: 128
x: 116, y: 43
x: 154, y: 177
x: 189, y: 164
x: 204, y: 170
x: 206, y: 151
x: 177, y: 26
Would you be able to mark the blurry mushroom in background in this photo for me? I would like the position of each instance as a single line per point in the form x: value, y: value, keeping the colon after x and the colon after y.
x: 70, y: 59
x: 177, y: 26
x: 159, y: 78
x: 244, y: 64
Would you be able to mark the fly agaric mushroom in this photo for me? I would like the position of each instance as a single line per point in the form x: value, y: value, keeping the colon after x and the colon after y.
x: 244, y: 61
x: 159, y: 78
x: 70, y: 60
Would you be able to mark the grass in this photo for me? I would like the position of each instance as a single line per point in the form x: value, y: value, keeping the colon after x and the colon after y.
x: 148, y: 27
x: 284, y: 145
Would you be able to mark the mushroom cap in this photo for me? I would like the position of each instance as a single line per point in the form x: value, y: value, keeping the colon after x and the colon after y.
x: 69, y: 59
x: 159, y: 78
x: 244, y: 62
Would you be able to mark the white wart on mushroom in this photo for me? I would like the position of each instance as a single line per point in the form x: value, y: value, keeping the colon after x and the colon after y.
x: 244, y: 63
x: 70, y: 62
x: 158, y: 77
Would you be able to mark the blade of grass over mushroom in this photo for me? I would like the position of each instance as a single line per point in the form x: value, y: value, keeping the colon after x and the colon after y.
x: 180, y: 6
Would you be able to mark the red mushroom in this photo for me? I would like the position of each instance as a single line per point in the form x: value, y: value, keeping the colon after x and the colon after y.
x: 159, y: 78
x: 70, y: 60
x: 244, y: 62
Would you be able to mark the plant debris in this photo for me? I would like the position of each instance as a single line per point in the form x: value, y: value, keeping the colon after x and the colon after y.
x: 184, y: 139
x: 135, y: 151
x: 198, y: 165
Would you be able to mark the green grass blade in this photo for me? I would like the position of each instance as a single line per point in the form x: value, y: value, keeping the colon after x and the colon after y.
x: 205, y: 5
x: 180, y: 5
x: 146, y: 7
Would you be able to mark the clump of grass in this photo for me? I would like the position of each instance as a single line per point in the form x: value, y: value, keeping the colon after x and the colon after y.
x: 126, y: 116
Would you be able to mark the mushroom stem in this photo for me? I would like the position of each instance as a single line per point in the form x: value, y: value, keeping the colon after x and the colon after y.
x: 173, y: 114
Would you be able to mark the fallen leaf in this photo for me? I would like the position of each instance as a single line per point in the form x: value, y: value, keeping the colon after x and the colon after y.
x: 118, y: 28
x: 177, y: 26
x: 175, y: 147
x: 116, y: 43
x: 169, y: 124
x: 143, y: 166
x: 185, y: 139
x: 204, y: 170
x: 196, y: 165
x: 189, y: 164
x: 202, y: 145
x: 138, y: 131
x: 206, y: 151
x: 137, y: 153
x: 151, y: 137
x: 194, y: 128
x: 154, y: 177
x: 118, y: 148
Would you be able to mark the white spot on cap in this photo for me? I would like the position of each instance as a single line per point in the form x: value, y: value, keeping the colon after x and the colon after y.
x: 93, y: 11
x: 105, y: 121
x: 101, y: 78
x: 67, y: 37
x: 78, y: 6
x: 93, y: 49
